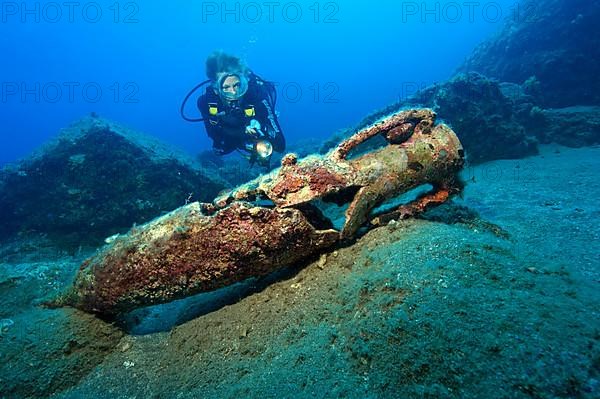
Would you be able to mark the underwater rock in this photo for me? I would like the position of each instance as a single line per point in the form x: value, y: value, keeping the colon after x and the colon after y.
x: 95, y: 179
x: 571, y: 126
x: 484, y: 118
x: 202, y: 247
x: 525, y: 107
x: 553, y: 45
x: 575, y: 126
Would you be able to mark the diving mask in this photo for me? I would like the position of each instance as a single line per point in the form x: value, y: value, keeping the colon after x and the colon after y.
x: 231, y: 86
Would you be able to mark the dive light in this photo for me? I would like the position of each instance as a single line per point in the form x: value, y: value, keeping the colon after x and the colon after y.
x: 259, y: 151
x: 263, y: 148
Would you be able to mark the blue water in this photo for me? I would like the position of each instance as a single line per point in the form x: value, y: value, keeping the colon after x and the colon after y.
x: 133, y: 62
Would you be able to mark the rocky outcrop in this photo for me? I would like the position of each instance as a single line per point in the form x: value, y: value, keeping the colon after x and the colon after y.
x: 553, y: 45
x: 95, y: 179
x: 483, y: 116
x: 571, y: 126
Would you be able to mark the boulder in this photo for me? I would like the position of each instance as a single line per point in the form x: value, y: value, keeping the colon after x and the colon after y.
x: 95, y: 179
x: 483, y: 116
x: 553, y: 45
x: 571, y: 126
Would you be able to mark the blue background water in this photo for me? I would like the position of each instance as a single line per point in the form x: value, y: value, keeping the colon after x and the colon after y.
x: 333, y: 66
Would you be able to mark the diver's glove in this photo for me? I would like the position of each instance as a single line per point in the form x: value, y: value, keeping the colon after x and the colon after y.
x: 253, y: 129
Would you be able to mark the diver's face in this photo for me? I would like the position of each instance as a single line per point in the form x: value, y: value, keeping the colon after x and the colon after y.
x: 231, y: 86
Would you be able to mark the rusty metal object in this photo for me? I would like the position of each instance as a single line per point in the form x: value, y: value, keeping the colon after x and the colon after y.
x: 418, y: 152
x: 186, y: 252
x: 202, y: 247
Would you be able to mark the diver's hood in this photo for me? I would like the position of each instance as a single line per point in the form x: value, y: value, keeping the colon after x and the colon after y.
x: 231, y: 96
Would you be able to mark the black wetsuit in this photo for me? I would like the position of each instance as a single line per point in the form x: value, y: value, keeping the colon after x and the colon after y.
x: 226, y: 124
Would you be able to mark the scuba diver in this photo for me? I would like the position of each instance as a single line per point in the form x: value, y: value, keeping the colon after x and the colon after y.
x: 238, y: 110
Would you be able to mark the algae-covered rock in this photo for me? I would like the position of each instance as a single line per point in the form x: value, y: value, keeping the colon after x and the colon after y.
x: 95, y: 179
x: 555, y: 41
x: 571, y: 126
x: 484, y: 117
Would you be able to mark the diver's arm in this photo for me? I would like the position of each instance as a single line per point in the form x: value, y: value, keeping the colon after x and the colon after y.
x: 267, y: 118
